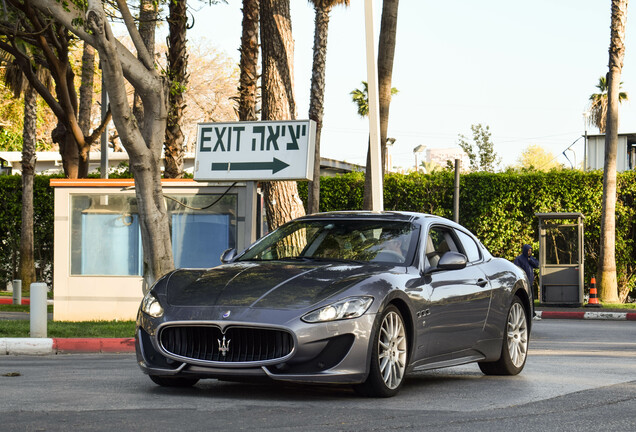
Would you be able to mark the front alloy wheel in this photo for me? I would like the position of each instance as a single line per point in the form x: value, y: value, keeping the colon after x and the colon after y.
x: 389, y: 357
x: 514, y: 348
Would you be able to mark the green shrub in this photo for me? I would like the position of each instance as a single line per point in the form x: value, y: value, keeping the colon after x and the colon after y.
x: 499, y: 208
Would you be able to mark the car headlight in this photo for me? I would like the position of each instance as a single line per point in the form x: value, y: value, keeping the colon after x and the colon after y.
x: 151, y: 306
x: 351, y: 307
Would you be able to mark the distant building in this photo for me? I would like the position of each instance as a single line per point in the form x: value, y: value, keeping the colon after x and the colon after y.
x: 625, y: 156
x: 441, y: 155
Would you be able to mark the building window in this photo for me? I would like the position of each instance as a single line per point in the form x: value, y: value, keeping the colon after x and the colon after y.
x: 106, y: 239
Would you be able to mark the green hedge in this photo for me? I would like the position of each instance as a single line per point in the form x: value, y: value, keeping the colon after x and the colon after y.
x: 499, y: 208
x: 10, y: 227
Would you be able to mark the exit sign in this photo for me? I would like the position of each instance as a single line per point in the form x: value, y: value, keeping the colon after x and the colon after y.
x: 268, y: 150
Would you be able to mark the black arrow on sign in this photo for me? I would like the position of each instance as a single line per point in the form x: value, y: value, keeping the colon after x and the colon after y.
x: 275, y: 165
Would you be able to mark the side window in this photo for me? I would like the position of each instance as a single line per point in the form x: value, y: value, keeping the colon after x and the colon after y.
x: 470, y: 247
x: 438, y: 242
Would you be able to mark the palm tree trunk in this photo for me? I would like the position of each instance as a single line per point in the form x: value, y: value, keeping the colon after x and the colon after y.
x: 148, y: 10
x: 249, y: 61
x: 281, y: 198
x: 608, y: 290
x: 386, y: 53
x: 178, y: 74
x: 316, y: 104
x: 27, y: 262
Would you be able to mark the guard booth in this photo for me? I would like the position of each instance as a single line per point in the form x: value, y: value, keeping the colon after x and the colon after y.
x: 561, y: 275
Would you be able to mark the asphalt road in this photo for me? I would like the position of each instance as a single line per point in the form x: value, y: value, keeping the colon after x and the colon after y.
x: 580, y: 376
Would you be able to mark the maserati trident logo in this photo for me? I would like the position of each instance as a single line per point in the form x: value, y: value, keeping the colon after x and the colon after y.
x: 224, y: 346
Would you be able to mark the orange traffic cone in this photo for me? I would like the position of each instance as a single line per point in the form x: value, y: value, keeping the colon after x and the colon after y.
x: 593, y: 297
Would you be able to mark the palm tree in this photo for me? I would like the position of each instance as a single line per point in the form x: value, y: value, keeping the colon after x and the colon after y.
x: 608, y: 288
x: 178, y: 75
x: 386, y: 53
x: 281, y: 197
x: 317, y: 95
x: 430, y: 167
x: 598, y: 105
x: 148, y: 11
x: 17, y: 82
x: 361, y: 98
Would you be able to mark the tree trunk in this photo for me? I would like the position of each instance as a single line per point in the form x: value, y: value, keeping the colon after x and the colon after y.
x: 154, y: 220
x: 249, y: 61
x: 27, y: 262
x: 317, y: 97
x: 86, y: 89
x: 281, y: 198
x: 608, y: 290
x: 143, y: 145
x: 68, y: 150
x: 178, y: 74
x: 386, y: 53
x: 148, y: 10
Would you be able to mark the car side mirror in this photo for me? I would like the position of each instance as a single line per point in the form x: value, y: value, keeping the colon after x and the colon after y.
x: 228, y: 255
x: 449, y: 261
x: 452, y: 261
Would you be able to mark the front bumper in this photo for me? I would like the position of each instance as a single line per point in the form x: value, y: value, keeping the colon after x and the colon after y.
x: 335, y: 352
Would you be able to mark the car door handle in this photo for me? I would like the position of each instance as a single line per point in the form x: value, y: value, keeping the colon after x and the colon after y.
x: 482, y: 282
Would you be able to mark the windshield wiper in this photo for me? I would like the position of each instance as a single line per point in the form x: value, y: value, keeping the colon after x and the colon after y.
x: 338, y: 260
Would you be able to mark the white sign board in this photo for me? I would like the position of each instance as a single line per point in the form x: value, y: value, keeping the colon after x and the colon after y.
x: 268, y: 150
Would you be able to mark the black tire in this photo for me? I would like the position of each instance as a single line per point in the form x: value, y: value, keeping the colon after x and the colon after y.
x: 389, y: 356
x: 173, y: 381
x: 514, y: 346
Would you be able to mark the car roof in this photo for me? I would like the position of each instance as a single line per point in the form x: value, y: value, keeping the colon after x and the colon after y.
x: 366, y: 214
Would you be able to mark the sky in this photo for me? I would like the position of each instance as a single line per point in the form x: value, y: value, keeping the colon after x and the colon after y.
x: 525, y: 68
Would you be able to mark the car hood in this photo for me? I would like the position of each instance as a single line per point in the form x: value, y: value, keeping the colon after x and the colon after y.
x: 272, y: 284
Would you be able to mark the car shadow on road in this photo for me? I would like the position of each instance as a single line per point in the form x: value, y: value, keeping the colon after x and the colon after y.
x: 286, y: 392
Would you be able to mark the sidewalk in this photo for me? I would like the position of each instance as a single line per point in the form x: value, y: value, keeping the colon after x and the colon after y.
x: 591, y: 313
x: 46, y: 346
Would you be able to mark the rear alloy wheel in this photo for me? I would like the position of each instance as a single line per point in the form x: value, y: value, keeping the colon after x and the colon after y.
x: 173, y: 381
x: 388, y: 358
x: 514, y: 348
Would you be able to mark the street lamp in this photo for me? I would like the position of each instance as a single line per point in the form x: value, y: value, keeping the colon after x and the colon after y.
x: 387, y: 161
x: 419, y: 149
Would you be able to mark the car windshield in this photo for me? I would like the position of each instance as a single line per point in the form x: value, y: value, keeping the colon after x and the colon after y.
x: 336, y: 240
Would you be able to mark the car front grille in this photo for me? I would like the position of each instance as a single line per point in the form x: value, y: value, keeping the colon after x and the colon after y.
x: 237, y: 344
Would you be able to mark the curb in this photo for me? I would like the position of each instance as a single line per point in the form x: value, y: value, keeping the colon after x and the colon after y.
x: 24, y: 301
x: 608, y: 316
x: 9, y: 301
x: 45, y: 346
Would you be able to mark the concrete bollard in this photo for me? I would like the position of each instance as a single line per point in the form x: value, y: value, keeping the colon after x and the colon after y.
x: 17, y: 291
x: 38, y: 310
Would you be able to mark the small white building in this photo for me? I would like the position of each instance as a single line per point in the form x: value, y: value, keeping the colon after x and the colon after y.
x: 51, y: 162
x: 625, y: 156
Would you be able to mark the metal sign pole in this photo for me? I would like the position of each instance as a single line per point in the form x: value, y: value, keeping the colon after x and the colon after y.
x: 377, y: 199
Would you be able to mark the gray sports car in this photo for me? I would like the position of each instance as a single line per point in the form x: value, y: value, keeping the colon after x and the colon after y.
x: 357, y: 298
